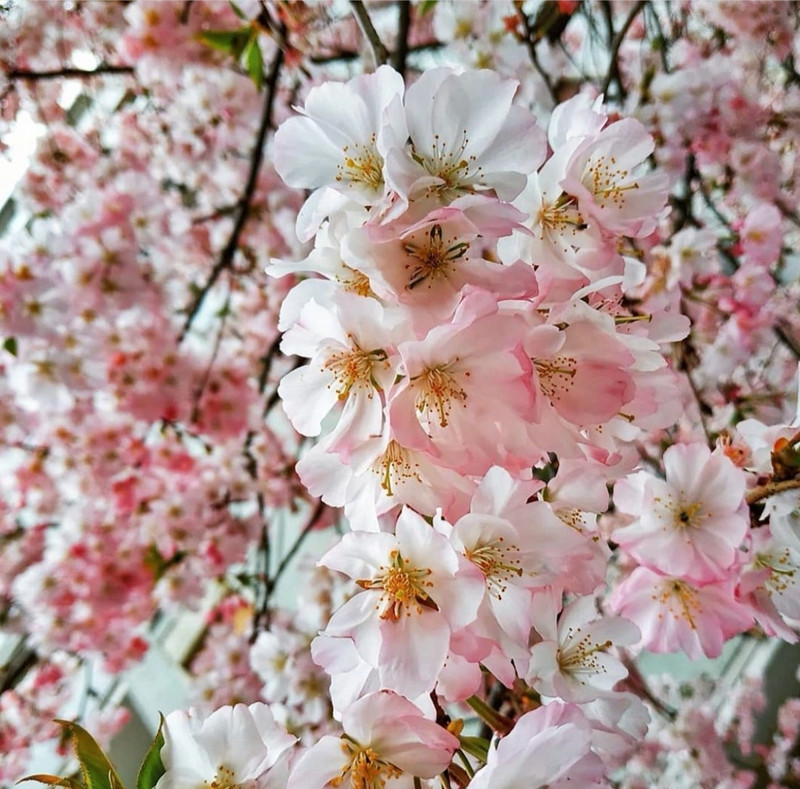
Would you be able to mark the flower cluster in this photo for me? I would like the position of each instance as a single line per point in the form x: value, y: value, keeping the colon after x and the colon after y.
x: 467, y: 316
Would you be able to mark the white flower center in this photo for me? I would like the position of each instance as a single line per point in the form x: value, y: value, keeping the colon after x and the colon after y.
x: 560, y: 217
x: 403, y: 588
x: 353, y: 368
x: 367, y: 770
x: 451, y: 166
x: 606, y: 182
x: 580, y: 656
x: 361, y: 165
x: 395, y: 466
x: 681, y: 601
x: 437, y: 390
x: 498, y: 562
x: 433, y: 258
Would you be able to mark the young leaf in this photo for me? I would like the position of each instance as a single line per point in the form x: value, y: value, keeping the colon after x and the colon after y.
x: 96, y: 769
x: 425, y: 6
x: 238, y: 11
x: 52, y: 780
x: 255, y: 63
x: 10, y: 344
x: 232, y: 42
x: 152, y: 767
x: 222, y: 40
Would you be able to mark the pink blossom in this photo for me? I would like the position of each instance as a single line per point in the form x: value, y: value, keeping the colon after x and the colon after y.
x: 549, y: 747
x: 761, y: 235
x: 386, y: 742
x: 415, y: 592
x: 691, y: 524
x: 234, y: 745
x: 572, y: 661
x: 676, y: 614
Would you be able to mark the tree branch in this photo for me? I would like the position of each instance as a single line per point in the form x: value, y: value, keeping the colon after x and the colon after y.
x: 761, y: 492
x: 530, y: 43
x: 783, y: 335
x: 262, y: 613
x: 400, y: 53
x: 257, y: 157
x: 613, y: 74
x: 38, y: 76
x: 379, y: 51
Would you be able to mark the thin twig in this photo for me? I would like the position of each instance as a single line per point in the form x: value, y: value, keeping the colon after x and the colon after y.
x: 787, y: 340
x: 613, y: 66
x: 530, y: 43
x: 38, y: 76
x: 761, y: 492
x: 312, y: 521
x: 661, y: 38
x: 203, y: 383
x: 262, y: 613
x: 379, y: 51
x: 638, y: 685
x: 225, y: 260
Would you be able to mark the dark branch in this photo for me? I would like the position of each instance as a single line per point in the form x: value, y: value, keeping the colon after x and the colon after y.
x: 368, y: 29
x: 530, y: 42
x: 400, y: 53
x: 37, y: 76
x: 613, y: 74
x: 262, y: 614
x: 225, y: 260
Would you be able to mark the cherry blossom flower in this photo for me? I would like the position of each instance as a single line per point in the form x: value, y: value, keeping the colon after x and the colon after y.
x: 550, y: 747
x: 572, y: 661
x: 675, y: 614
x: 349, y: 348
x: 387, y: 741
x: 450, y: 377
x: 326, y: 147
x: 415, y: 592
x: 466, y: 135
x: 234, y: 746
x: 690, y: 524
x: 603, y: 174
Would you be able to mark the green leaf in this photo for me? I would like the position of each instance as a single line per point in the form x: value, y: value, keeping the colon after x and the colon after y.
x: 96, y: 769
x: 157, y: 564
x: 425, y: 7
x: 152, y: 767
x: 475, y: 746
x: 10, y: 344
x: 221, y: 40
x: 232, y: 42
x: 51, y: 780
x: 238, y: 11
x: 255, y: 63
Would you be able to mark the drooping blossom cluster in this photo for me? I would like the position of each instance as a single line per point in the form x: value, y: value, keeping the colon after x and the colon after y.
x: 448, y: 354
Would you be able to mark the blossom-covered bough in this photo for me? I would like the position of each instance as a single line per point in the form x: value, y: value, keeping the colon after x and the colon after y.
x: 500, y: 297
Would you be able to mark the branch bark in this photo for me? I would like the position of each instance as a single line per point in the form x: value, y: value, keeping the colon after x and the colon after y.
x: 400, y: 54
x: 379, y: 51
x: 761, y: 492
x: 38, y: 76
x: 225, y: 260
x: 613, y: 74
